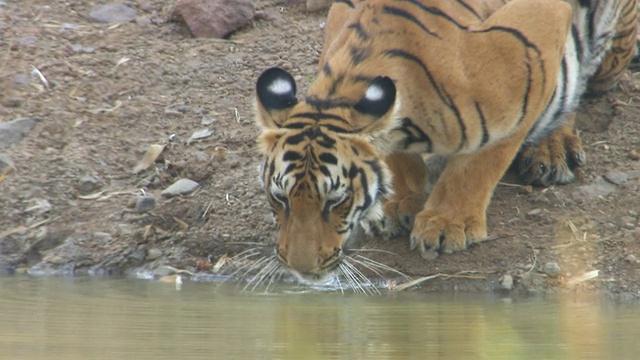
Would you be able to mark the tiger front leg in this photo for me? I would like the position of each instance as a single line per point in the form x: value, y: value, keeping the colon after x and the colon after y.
x: 454, y: 215
x: 410, y: 182
x: 552, y: 160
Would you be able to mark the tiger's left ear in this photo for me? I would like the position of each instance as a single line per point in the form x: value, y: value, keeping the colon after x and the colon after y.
x: 276, y: 96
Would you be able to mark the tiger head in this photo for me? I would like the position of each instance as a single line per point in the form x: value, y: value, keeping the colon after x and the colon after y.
x: 324, y: 171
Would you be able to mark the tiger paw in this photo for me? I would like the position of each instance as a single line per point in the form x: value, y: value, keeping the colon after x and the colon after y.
x: 440, y: 231
x: 400, y: 214
x: 553, y: 159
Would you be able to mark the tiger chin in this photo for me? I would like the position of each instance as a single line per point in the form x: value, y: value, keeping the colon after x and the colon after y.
x: 475, y: 84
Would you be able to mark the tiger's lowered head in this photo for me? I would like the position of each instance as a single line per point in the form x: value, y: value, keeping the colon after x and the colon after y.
x: 470, y: 81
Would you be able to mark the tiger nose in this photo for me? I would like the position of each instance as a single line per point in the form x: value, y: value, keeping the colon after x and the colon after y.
x: 301, y: 259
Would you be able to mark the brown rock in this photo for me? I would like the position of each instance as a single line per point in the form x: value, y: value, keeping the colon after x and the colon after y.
x: 213, y: 18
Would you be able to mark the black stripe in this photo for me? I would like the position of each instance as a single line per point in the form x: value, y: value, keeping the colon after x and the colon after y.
x: 358, y: 55
x: 483, y: 123
x: 407, y: 16
x: 328, y: 158
x: 414, y: 134
x: 442, y: 94
x: 346, y: 2
x: 577, y: 43
x: 469, y: 8
x: 291, y: 156
x: 362, y: 34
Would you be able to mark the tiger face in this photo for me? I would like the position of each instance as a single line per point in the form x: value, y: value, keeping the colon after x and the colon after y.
x: 323, y: 178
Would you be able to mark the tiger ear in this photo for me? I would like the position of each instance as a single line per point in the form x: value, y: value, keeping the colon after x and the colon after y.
x: 379, y: 97
x: 276, y: 95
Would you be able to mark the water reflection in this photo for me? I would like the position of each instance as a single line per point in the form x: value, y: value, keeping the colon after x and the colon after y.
x: 58, y: 318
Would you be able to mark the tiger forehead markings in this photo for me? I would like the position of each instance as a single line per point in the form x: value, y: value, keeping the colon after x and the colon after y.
x: 476, y: 82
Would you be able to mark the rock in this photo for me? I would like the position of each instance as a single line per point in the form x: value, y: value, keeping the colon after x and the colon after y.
x: 316, y: 5
x: 506, y: 282
x: 88, y: 184
x: 102, y: 237
x: 6, y: 165
x: 616, y: 177
x: 534, y: 214
x: 21, y: 79
x: 628, y: 222
x: 598, y: 188
x: 153, y: 254
x: 633, y: 154
x: 213, y: 18
x: 112, y: 13
x: 552, y: 269
x: 145, y: 203
x: 632, y: 259
x: 199, y: 134
x: 124, y: 229
x: 180, y: 187
x: 12, y: 132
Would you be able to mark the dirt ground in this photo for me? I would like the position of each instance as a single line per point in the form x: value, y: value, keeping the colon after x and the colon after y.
x: 113, y: 91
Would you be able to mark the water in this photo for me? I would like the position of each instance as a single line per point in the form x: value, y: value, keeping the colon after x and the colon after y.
x: 83, y: 318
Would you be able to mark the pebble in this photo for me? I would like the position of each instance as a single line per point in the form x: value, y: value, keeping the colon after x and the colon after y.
x: 112, y: 13
x: 88, y: 184
x: 552, y: 269
x: 21, y: 79
x: 634, y: 155
x: 429, y: 255
x: 145, y: 203
x: 124, y: 229
x: 153, y: 254
x: 628, y: 222
x: 534, y: 214
x: 616, y: 177
x: 200, y: 134
x: 102, y: 236
x: 6, y: 164
x: 12, y: 132
x: 180, y: 187
x: 506, y: 282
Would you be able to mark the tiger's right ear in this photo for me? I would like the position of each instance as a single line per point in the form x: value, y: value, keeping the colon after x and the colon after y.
x: 276, y: 96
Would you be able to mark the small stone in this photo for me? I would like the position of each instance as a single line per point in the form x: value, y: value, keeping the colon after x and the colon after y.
x: 506, y: 282
x: 634, y: 155
x: 12, y: 132
x: 21, y: 79
x: 112, y: 13
x: 145, y: 203
x: 552, y: 269
x: 200, y: 134
x: 213, y: 18
x: 180, y: 187
x: 628, y: 222
x: 534, y: 214
x: 153, y: 254
x: 88, y: 184
x: 124, y: 229
x: 102, y: 236
x: 616, y: 177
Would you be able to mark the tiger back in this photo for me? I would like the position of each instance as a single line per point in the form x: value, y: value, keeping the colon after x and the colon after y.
x: 468, y: 81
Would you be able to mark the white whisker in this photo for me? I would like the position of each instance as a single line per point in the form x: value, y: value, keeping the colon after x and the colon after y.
x: 379, y: 265
x: 358, y: 274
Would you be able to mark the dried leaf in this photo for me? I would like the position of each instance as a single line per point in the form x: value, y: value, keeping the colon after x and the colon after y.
x: 149, y: 158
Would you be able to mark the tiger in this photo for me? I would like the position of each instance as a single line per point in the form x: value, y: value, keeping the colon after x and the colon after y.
x: 478, y: 84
